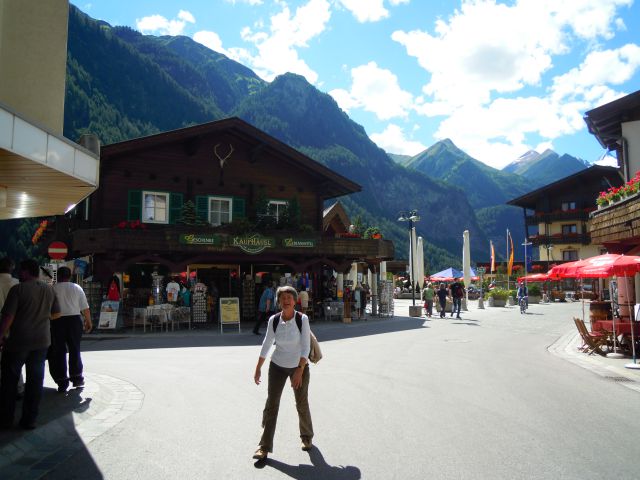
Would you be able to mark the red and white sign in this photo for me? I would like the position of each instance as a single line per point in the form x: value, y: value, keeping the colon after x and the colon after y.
x: 58, y: 250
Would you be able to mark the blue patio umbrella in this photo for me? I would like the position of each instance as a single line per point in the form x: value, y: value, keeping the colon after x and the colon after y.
x: 452, y: 273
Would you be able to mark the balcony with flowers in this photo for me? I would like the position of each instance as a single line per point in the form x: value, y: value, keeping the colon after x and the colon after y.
x: 617, y: 219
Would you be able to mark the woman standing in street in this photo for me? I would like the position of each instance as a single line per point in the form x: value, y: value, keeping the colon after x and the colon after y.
x: 289, y: 361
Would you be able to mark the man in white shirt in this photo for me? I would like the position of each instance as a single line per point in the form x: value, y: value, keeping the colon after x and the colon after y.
x: 66, y: 332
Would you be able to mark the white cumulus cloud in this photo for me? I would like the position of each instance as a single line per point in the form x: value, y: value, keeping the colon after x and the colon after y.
x: 366, y: 10
x: 287, y: 33
x: 375, y: 90
x: 159, y: 25
x: 480, y: 58
x: 393, y: 140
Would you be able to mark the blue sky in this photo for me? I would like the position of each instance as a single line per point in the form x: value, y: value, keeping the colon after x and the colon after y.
x: 496, y: 77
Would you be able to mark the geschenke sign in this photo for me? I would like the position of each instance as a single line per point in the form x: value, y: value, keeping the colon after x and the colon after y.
x: 252, y: 244
x: 299, y: 242
x: 199, y: 239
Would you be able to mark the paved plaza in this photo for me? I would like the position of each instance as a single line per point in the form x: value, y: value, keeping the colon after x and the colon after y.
x: 493, y: 395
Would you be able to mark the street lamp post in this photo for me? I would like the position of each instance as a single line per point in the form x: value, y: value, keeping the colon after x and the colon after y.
x: 410, y: 216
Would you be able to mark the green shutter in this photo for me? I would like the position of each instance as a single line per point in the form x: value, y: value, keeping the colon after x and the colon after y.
x: 238, y: 207
x: 134, y: 208
x: 202, y: 207
x: 175, y: 207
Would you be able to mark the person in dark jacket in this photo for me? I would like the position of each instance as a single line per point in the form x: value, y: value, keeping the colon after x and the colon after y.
x: 442, y: 298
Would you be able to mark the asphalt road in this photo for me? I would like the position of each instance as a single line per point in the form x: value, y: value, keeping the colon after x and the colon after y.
x: 477, y: 398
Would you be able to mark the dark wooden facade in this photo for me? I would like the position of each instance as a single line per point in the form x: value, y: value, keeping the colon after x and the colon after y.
x: 568, y: 201
x: 229, y: 160
x: 617, y: 227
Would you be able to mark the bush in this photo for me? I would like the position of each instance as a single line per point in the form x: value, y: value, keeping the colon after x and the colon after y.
x: 513, y: 293
x: 499, y: 294
x: 534, y: 290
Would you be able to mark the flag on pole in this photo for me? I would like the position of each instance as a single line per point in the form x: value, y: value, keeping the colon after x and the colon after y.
x: 493, y: 257
x: 510, y: 266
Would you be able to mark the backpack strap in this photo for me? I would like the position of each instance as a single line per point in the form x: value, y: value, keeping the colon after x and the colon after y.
x: 299, y: 321
x: 276, y: 321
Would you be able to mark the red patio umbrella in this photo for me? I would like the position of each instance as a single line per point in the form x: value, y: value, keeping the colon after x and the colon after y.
x: 610, y: 265
x: 534, y: 277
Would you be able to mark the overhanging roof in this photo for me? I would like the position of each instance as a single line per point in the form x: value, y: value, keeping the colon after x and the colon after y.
x: 333, y: 184
x: 41, y: 173
x: 528, y: 200
x: 605, y: 122
x: 335, y: 211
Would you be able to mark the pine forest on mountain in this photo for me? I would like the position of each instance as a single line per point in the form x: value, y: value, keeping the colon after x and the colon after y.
x: 122, y: 85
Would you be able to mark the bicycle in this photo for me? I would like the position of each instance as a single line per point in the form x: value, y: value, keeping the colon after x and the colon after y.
x: 523, y: 304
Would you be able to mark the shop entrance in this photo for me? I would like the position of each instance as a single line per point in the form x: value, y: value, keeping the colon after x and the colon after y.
x: 224, y: 277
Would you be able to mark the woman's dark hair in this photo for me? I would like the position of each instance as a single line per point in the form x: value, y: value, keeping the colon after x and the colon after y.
x: 31, y: 267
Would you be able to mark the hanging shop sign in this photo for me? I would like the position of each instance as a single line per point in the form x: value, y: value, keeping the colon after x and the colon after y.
x: 253, y: 244
x: 199, y: 239
x: 298, y: 242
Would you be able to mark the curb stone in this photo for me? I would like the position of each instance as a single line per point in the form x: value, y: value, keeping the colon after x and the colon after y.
x: 567, y: 347
x: 37, y: 452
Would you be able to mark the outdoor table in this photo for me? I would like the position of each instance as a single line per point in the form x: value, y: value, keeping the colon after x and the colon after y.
x: 163, y: 312
x: 622, y: 328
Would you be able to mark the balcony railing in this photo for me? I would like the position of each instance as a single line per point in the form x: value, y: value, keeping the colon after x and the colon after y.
x: 559, y: 216
x: 203, y: 239
x: 560, y: 238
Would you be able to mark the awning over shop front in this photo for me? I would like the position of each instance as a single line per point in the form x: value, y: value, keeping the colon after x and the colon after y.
x: 41, y: 173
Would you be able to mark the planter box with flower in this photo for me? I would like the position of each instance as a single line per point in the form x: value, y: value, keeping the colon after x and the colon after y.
x: 498, y: 297
x: 616, y: 194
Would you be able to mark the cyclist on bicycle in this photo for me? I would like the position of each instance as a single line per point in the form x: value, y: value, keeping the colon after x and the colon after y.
x: 523, y: 294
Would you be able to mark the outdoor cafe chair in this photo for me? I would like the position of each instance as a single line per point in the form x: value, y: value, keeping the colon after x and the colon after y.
x: 592, y: 341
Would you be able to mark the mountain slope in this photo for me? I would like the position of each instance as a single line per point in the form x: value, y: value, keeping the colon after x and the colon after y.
x: 545, y: 168
x: 484, y: 186
x: 118, y: 93
x: 298, y: 114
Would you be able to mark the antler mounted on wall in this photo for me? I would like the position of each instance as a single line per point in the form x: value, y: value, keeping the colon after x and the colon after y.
x: 222, y: 159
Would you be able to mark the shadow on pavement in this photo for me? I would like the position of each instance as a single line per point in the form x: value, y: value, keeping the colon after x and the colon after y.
x: 319, y: 469
x: 325, y: 331
x: 54, y: 441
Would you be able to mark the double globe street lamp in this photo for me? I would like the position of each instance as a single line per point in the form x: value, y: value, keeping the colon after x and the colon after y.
x: 410, y: 216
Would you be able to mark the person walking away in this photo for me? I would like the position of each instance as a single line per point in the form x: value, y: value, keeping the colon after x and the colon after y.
x: 457, y: 292
x: 26, y: 317
x: 66, y: 332
x: 304, y: 299
x: 265, y: 307
x: 289, y: 361
x: 6, y: 282
x: 442, y: 298
x: 427, y: 295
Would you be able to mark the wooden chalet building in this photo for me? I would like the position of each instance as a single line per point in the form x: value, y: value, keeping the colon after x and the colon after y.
x: 616, y: 126
x: 556, y: 216
x: 222, y: 201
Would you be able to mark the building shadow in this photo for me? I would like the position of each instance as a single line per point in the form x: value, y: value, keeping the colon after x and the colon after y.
x: 53, y: 443
x: 319, y: 468
x: 325, y: 331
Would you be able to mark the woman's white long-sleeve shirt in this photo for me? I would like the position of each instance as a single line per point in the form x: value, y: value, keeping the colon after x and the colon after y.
x: 291, y: 343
